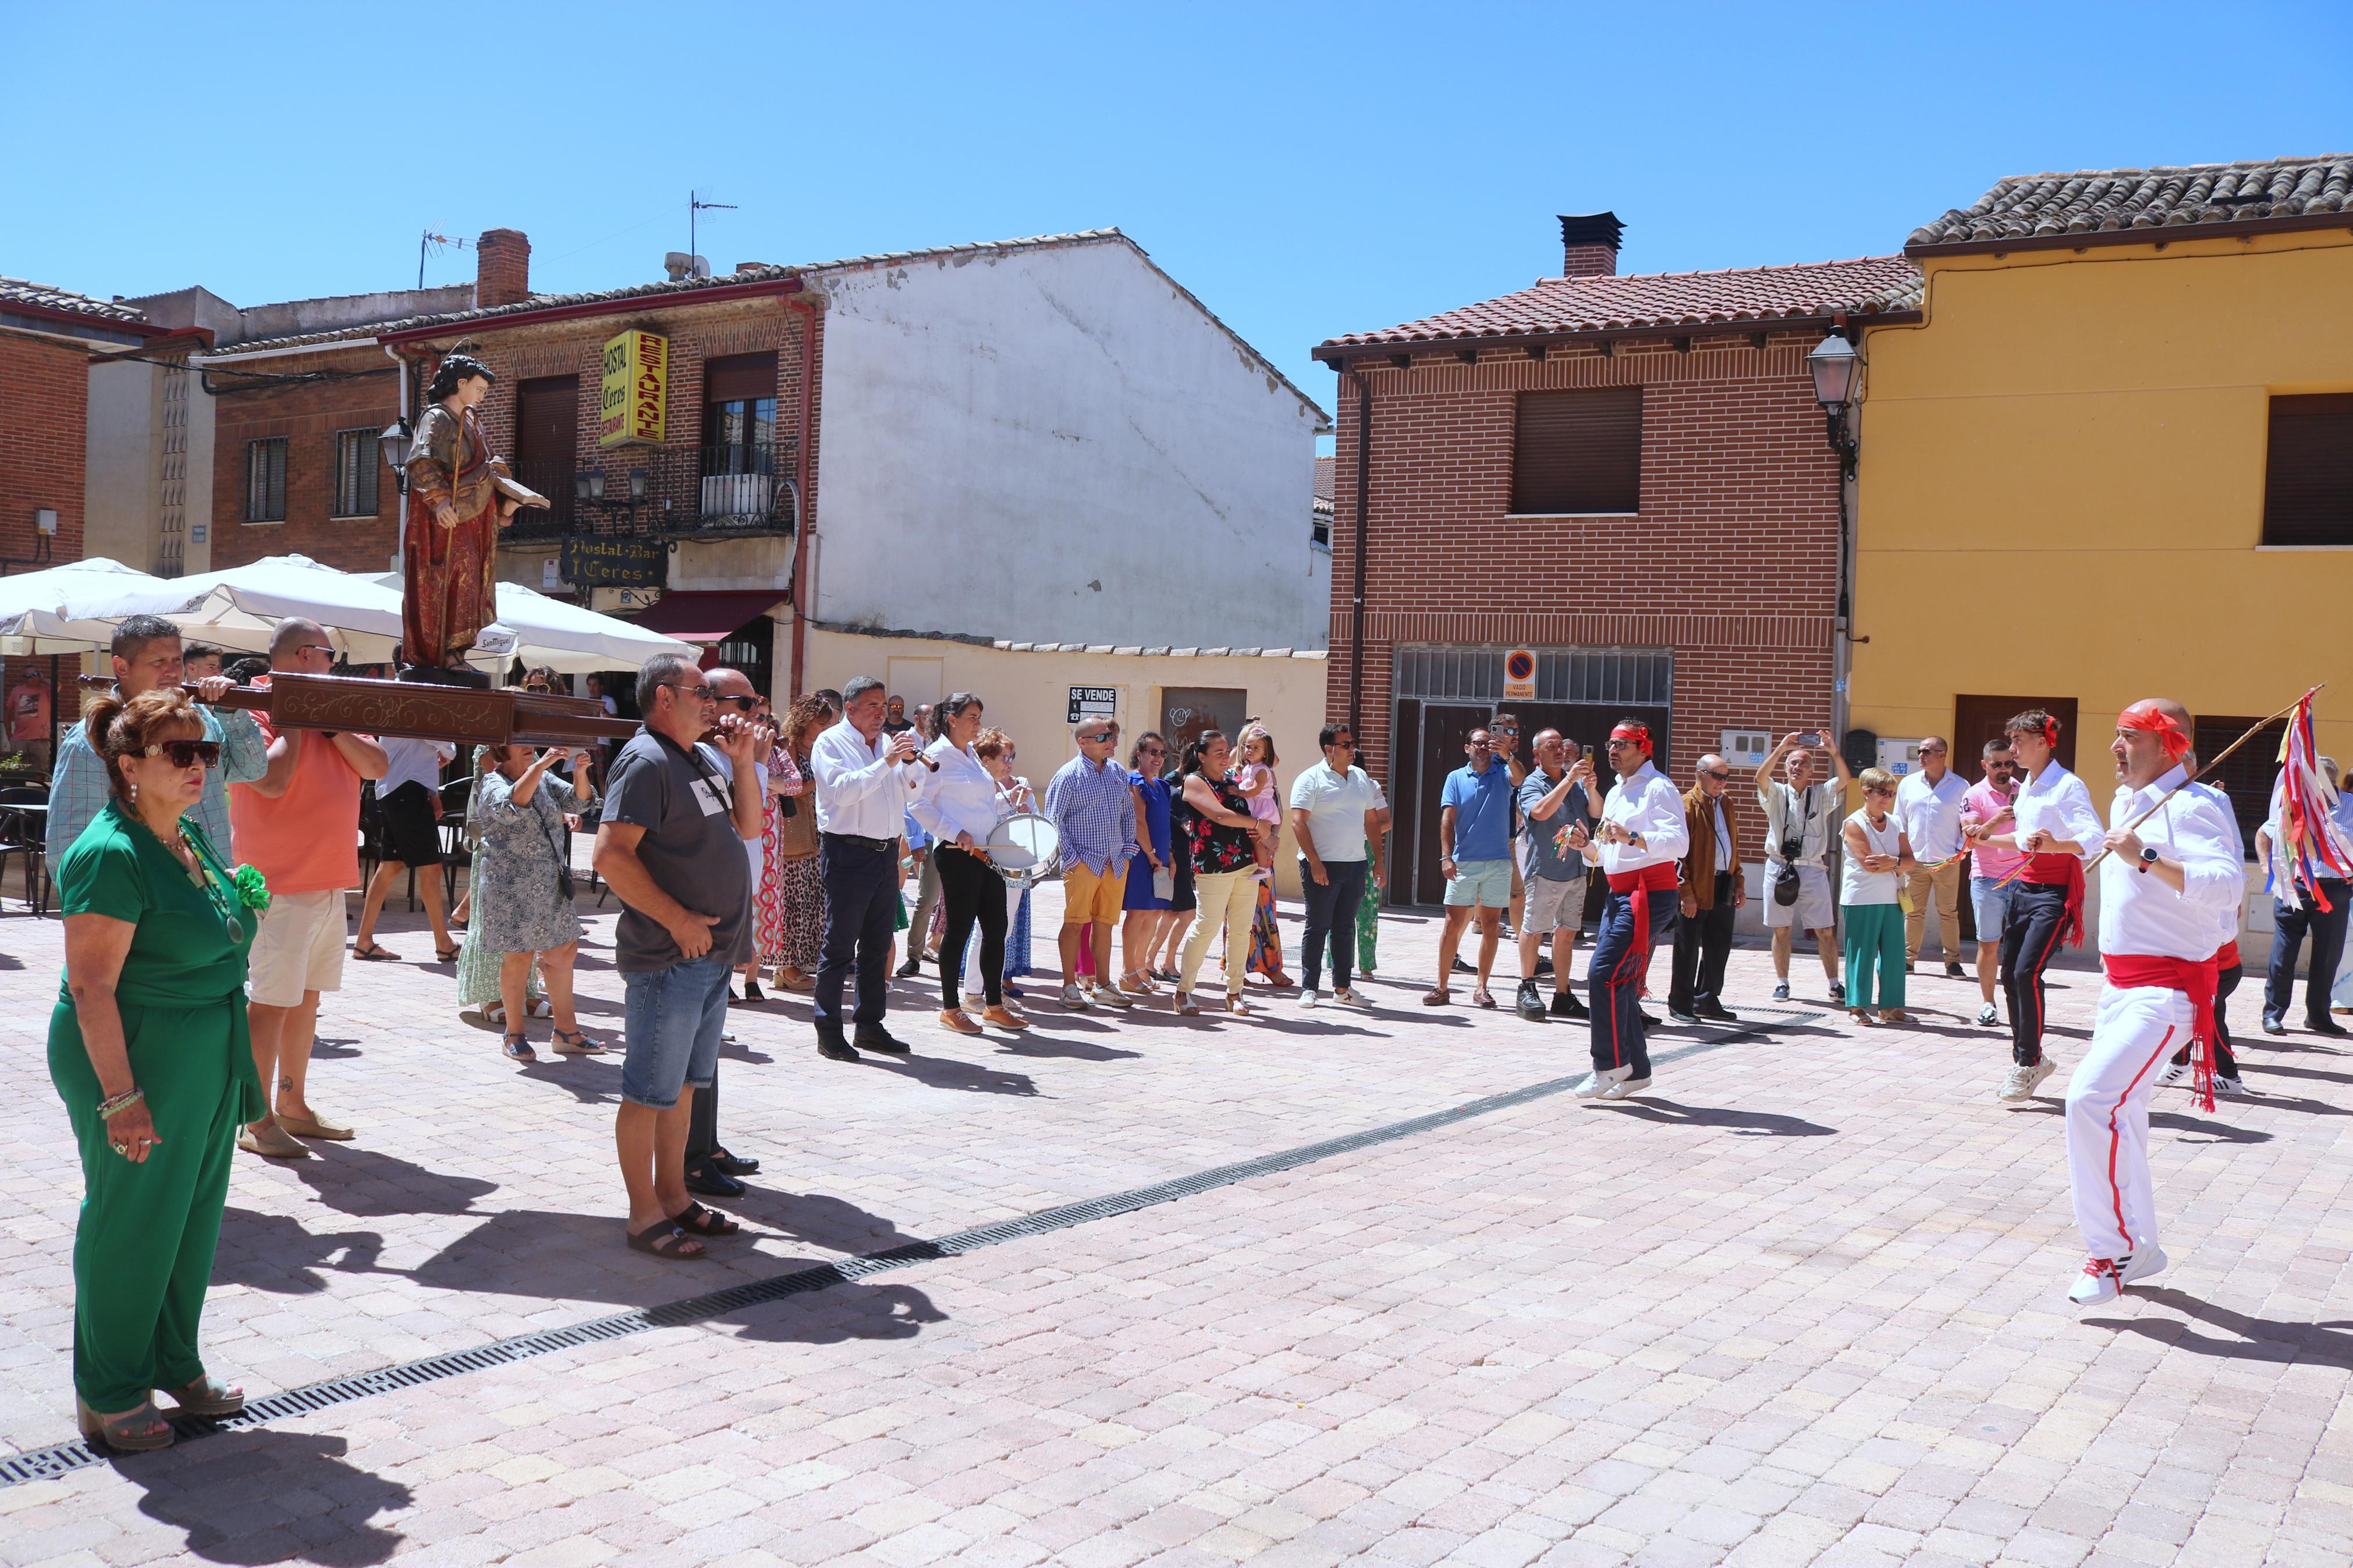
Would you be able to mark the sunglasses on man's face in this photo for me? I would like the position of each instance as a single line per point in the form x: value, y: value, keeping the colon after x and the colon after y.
x: 186, y: 754
x: 1712, y: 773
x: 1094, y: 740
x: 745, y: 703
x: 700, y: 693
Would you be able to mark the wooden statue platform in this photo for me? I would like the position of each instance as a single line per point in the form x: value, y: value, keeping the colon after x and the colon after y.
x: 422, y: 712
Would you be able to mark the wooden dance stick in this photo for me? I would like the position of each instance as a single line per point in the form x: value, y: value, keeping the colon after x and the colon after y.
x: 413, y: 709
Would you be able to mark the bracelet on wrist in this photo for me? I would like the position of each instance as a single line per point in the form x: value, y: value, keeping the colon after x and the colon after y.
x: 123, y: 1101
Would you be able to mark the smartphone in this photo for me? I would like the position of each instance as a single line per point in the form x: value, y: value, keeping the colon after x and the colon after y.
x: 1810, y: 738
x: 1589, y: 752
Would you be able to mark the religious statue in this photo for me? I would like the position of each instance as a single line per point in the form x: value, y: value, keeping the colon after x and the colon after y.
x: 456, y: 508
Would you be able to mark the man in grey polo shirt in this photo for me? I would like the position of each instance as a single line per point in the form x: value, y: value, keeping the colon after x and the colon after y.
x: 1335, y: 813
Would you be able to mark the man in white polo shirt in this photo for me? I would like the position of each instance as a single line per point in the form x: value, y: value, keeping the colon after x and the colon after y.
x: 1334, y: 815
x: 1928, y: 807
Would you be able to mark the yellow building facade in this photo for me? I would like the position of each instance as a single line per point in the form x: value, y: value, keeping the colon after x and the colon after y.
x: 2062, y: 493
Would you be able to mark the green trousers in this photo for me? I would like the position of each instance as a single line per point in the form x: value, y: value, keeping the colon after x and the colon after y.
x: 144, y: 1250
x: 1368, y: 912
x: 1874, y: 944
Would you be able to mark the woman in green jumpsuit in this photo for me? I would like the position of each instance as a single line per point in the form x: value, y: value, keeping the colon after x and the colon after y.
x: 149, y: 1050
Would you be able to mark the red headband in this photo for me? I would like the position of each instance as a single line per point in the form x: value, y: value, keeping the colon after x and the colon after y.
x: 1637, y: 733
x: 2149, y: 717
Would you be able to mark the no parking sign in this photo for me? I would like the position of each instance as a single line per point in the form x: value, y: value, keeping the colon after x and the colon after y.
x: 1519, y: 676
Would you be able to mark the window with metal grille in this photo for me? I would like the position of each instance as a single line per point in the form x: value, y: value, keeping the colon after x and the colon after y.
x: 2308, y: 471
x: 264, y: 480
x: 1578, y: 452
x: 1630, y: 677
x: 2246, y: 775
x: 355, y: 467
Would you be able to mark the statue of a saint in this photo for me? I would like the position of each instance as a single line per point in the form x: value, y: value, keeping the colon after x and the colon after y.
x: 450, y: 556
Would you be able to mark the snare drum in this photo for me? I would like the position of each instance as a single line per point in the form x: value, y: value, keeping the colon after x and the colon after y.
x: 1022, y: 848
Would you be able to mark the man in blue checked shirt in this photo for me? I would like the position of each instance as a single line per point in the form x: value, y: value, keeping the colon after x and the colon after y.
x: 147, y: 650
x: 1093, y: 808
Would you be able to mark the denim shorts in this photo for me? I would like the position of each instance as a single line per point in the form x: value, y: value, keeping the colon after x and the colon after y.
x: 1991, y: 900
x: 672, y: 1022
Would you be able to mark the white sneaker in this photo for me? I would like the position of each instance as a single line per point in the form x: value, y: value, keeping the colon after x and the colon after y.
x: 2229, y: 1085
x: 1599, y: 1083
x: 1627, y: 1089
x: 2020, y: 1082
x: 2144, y: 1262
x: 973, y: 1001
x: 2098, y: 1282
x: 1347, y: 996
x: 1074, y: 999
x: 2174, y: 1073
x: 1113, y: 996
x: 1309, y: 998
x: 1987, y: 1014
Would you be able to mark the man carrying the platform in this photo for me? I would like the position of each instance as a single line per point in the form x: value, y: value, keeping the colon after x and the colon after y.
x: 2171, y: 873
x: 2052, y: 824
x: 1642, y: 835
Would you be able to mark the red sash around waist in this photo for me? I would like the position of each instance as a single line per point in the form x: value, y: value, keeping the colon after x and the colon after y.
x: 2060, y: 872
x: 1661, y: 878
x: 2194, y: 976
x: 2227, y: 957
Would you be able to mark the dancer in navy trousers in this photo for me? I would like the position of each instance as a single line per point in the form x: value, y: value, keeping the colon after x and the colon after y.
x: 1642, y: 833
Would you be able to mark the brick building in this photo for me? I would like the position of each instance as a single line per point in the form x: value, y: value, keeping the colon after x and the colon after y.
x: 1627, y: 476
x: 48, y: 339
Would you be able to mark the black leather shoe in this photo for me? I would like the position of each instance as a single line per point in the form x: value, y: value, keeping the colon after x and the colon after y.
x: 735, y: 1164
x: 835, y: 1051
x: 711, y: 1183
x: 1954, y: 971
x: 1718, y: 1015
x: 1544, y: 964
x: 2324, y: 1026
x: 2273, y: 1023
x: 1649, y: 1022
x: 1564, y: 1005
x: 912, y: 967
x: 1675, y: 1018
x: 879, y: 1039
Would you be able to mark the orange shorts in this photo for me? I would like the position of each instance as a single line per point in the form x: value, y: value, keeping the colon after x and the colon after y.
x: 1092, y: 900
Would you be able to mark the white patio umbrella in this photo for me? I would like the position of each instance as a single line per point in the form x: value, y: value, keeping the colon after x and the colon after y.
x: 242, y: 606
x: 34, y: 617
x: 565, y: 637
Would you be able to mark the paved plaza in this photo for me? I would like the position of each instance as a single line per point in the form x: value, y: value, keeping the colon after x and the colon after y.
x: 1801, y: 1304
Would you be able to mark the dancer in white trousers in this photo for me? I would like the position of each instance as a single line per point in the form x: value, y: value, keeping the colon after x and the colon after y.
x: 2163, y: 889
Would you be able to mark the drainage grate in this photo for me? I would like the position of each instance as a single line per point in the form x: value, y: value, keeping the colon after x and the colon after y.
x: 42, y: 1464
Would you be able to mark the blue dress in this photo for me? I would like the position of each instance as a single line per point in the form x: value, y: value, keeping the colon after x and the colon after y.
x: 1155, y: 792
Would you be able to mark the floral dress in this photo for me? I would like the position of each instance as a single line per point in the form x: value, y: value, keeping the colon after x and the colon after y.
x: 768, y: 898
x: 519, y: 900
x: 791, y: 905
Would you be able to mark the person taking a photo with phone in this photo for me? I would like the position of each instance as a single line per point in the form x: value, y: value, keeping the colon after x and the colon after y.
x: 1801, y: 814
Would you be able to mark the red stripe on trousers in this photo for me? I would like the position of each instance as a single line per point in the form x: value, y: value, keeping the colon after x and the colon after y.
x: 2115, y: 1137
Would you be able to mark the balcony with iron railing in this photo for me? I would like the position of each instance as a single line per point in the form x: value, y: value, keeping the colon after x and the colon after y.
x: 717, y: 491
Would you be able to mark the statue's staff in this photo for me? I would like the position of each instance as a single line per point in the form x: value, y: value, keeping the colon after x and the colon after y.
x: 422, y: 712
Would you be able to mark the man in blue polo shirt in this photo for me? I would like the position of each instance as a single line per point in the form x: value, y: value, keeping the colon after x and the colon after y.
x: 1474, y: 838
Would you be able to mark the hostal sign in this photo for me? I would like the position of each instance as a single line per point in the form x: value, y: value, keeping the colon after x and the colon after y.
x: 636, y: 384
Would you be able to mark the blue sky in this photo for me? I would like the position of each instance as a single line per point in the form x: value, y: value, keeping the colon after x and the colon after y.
x: 1306, y: 171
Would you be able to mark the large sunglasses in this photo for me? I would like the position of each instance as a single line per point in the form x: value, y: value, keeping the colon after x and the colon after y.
x: 186, y: 754
x: 700, y: 693
x: 745, y: 703
x: 1724, y: 777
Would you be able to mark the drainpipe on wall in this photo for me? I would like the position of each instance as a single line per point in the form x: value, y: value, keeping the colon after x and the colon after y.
x: 1363, y: 499
x: 804, y: 568
x: 400, y: 481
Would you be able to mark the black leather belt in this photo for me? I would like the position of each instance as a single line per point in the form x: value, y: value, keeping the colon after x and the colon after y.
x: 879, y: 845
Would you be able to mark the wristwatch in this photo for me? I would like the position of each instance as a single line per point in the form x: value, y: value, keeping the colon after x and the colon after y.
x: 2148, y: 858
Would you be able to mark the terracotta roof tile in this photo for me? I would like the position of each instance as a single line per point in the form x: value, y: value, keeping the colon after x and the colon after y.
x: 2112, y: 201
x: 1738, y: 295
x: 17, y: 291
x: 1324, y: 483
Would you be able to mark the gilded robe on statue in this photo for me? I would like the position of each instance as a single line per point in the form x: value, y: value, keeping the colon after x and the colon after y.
x: 451, y: 572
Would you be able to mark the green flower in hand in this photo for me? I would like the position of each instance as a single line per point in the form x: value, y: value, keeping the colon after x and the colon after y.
x: 251, y: 890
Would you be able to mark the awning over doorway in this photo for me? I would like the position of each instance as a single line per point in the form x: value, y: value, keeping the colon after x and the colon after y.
x: 706, y: 617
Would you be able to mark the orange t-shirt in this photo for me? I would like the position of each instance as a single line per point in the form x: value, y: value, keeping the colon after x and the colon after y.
x: 308, y: 839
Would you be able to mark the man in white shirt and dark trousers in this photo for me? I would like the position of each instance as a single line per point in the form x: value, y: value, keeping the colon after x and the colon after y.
x: 1929, y: 809
x: 1334, y: 816
x: 2056, y: 826
x: 2291, y: 918
x: 1641, y: 837
x: 2164, y: 887
x: 864, y: 781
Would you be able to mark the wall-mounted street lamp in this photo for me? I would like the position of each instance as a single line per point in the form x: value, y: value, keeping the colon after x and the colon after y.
x: 1837, y: 370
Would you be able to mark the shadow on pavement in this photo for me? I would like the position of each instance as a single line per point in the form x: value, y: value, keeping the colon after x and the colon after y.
x: 268, y: 1497
x: 828, y: 1222
x: 2252, y: 1339
x: 375, y: 1185
x: 849, y: 1312
x: 946, y: 1072
x: 1037, y: 1044
x: 1740, y: 1124
x: 2175, y: 1122
x: 274, y: 1253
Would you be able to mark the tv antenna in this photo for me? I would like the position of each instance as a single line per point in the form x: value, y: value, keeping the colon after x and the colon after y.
x: 695, y: 204
x: 432, y: 241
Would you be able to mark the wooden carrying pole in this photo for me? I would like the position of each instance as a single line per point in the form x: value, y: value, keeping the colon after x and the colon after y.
x: 412, y: 709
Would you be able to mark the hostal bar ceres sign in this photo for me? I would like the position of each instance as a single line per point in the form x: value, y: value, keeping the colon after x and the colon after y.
x: 636, y: 384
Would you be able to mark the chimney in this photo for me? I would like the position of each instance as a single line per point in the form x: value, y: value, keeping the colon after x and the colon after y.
x: 502, y: 268
x: 1589, y: 245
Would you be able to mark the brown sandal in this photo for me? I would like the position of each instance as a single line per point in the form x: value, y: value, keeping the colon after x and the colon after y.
x: 668, y: 1240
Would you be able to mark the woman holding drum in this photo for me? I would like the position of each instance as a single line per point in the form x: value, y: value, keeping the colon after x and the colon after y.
x: 959, y: 805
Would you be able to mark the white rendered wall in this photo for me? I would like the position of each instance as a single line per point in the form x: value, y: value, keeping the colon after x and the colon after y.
x: 119, y: 472
x: 1057, y: 445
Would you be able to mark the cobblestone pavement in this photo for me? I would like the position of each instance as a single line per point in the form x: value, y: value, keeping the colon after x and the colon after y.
x: 1801, y: 1304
